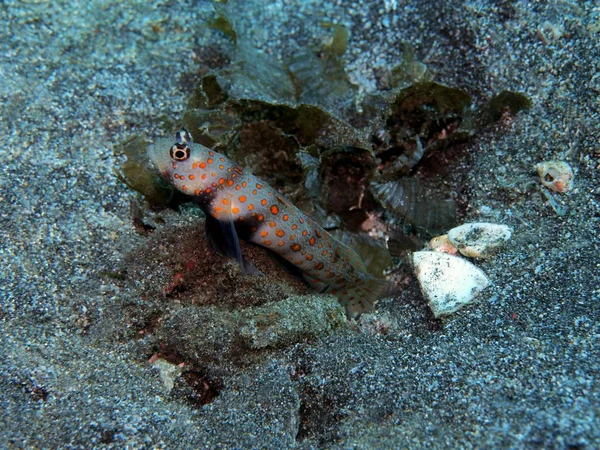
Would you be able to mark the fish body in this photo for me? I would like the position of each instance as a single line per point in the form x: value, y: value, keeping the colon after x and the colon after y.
x: 245, y: 206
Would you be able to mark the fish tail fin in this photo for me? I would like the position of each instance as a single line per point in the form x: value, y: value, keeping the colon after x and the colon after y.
x: 362, y: 297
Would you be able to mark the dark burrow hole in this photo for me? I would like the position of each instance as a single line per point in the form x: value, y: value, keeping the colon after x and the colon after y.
x: 319, y: 417
x: 194, y: 386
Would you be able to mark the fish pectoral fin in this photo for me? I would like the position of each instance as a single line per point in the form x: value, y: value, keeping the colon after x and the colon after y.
x: 223, y: 239
x: 316, y: 285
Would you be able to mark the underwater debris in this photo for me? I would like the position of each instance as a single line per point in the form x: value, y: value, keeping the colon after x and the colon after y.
x: 168, y: 372
x: 424, y: 117
x: 556, y: 175
x: 497, y: 107
x: 414, y: 203
x: 346, y: 173
x: 442, y: 244
x: 448, y: 282
x: 480, y: 239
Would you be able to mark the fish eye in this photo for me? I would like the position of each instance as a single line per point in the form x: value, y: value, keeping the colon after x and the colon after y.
x: 179, y: 152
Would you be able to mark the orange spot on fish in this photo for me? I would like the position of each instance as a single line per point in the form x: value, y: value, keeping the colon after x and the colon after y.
x: 319, y: 266
x: 221, y: 180
x: 267, y: 242
x: 292, y: 236
x: 254, y: 192
x: 192, y: 177
x: 312, y: 241
x: 184, y: 187
x: 309, y: 257
x: 281, y: 243
x: 258, y: 186
x: 237, y: 187
x: 235, y: 210
x: 280, y: 233
x: 264, y: 233
x: 202, y: 165
x: 272, y: 224
x: 260, y: 217
x: 221, y: 167
x: 263, y: 201
x: 209, y: 161
x: 242, y: 198
x: 294, y: 227
x: 197, y: 191
x: 304, y: 233
x: 208, y: 190
x: 295, y: 247
x: 244, y: 184
x: 222, y: 159
x: 230, y: 183
x: 203, y: 176
x: 274, y: 210
x: 224, y: 201
x: 250, y: 207
x: 285, y: 217
x: 194, y: 166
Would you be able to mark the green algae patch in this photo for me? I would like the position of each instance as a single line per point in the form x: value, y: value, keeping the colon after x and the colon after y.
x: 423, y: 118
x: 136, y: 173
x: 223, y: 24
x: 410, y: 70
x: 420, y: 98
x: 339, y: 40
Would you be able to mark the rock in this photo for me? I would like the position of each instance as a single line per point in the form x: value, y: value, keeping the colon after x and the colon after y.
x: 479, y: 240
x: 556, y: 175
x: 447, y: 282
x: 294, y: 319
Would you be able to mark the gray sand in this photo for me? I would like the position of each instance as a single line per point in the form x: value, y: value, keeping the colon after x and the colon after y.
x: 519, y: 369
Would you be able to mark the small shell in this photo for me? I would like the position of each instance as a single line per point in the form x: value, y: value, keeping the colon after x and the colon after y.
x: 479, y: 240
x: 447, y: 282
x: 442, y: 244
x: 556, y: 175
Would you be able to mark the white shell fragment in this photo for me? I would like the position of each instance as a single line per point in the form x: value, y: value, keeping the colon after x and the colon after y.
x: 556, y: 175
x: 447, y: 282
x: 480, y: 239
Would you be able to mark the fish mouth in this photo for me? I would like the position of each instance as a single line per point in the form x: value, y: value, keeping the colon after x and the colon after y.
x: 158, y: 154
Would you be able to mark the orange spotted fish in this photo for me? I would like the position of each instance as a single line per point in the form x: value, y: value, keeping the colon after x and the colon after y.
x: 237, y: 203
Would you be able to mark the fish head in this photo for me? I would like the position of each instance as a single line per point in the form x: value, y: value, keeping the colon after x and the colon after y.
x: 181, y: 162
